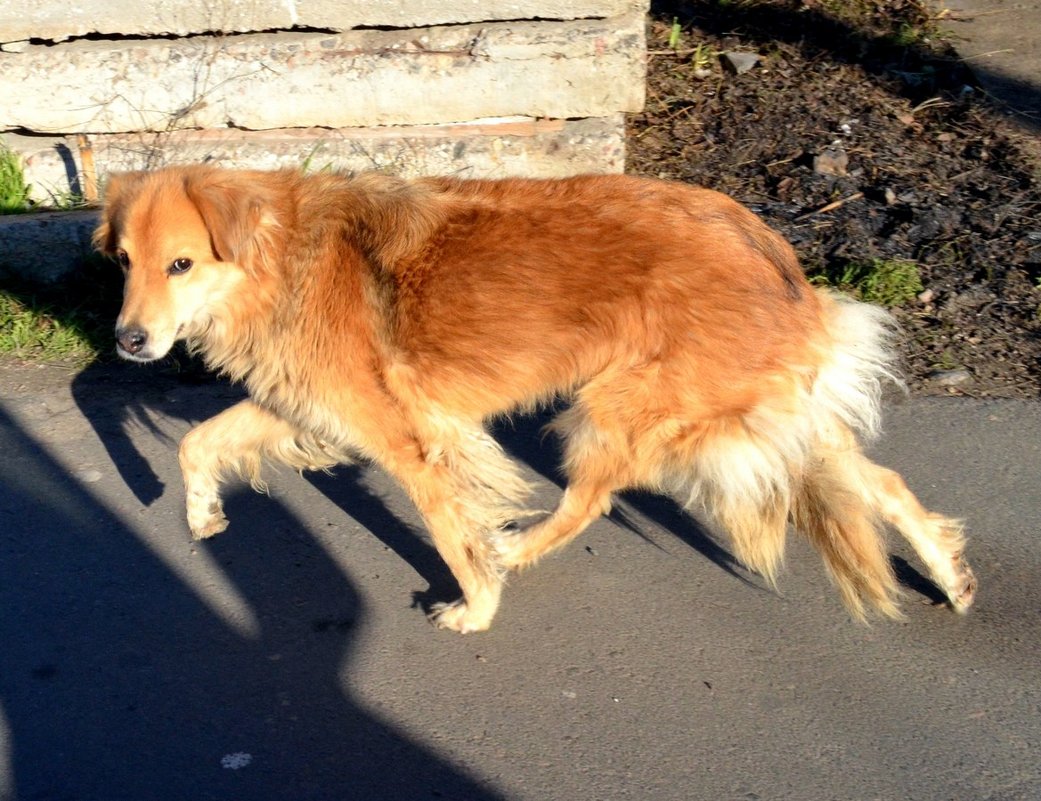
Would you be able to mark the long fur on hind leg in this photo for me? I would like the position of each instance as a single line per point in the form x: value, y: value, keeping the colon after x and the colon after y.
x: 845, y: 529
x: 758, y: 534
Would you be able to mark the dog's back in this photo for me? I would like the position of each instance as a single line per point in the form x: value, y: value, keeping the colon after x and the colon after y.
x: 537, y: 286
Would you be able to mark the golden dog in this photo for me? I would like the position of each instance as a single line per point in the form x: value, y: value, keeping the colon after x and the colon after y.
x: 391, y: 319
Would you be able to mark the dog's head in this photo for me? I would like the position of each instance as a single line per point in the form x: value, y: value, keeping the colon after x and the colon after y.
x: 186, y: 239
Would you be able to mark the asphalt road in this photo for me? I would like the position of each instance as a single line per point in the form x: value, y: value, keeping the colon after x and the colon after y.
x: 287, y: 658
x: 999, y: 41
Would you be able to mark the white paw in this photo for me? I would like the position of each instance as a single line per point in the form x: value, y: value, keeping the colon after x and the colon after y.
x: 457, y: 616
x: 208, y: 523
x: 963, y: 593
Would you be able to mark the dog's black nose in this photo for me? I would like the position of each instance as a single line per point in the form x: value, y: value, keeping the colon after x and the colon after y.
x: 131, y: 339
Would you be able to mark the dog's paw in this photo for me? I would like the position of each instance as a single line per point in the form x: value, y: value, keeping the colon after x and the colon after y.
x: 963, y: 593
x: 205, y: 516
x: 457, y: 616
x: 208, y: 526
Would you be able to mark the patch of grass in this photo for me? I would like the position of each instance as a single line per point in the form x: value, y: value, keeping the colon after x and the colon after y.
x: 890, y: 282
x: 14, y: 191
x: 67, y: 200
x: 907, y: 35
x: 67, y: 322
x: 946, y: 361
x: 887, y: 282
x: 37, y: 332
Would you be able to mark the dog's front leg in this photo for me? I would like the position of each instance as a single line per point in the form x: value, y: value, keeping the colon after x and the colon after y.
x: 237, y: 441
x: 469, y: 556
x: 463, y: 543
x: 463, y: 514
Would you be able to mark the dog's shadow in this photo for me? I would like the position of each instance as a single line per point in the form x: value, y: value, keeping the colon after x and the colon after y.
x: 117, y: 399
x: 524, y: 438
x: 123, y: 401
x: 527, y: 439
x: 344, y: 486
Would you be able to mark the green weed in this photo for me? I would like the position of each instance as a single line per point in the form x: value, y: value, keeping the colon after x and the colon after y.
x: 14, y: 192
x: 67, y: 200
x: 674, y: 34
x: 887, y: 282
x: 703, y: 58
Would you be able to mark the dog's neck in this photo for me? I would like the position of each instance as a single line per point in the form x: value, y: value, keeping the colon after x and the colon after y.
x: 273, y: 341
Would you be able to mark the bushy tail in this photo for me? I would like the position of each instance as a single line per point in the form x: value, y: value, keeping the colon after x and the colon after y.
x: 858, y: 363
x: 832, y: 504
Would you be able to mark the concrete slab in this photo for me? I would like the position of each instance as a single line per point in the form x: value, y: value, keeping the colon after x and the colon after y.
x: 490, y: 148
x: 584, y: 68
x: 56, y: 21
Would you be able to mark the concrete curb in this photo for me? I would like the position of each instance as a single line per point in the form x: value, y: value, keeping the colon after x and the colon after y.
x: 45, y: 247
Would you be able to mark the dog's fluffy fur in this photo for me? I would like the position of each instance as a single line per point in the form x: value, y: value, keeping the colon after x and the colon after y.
x: 374, y: 316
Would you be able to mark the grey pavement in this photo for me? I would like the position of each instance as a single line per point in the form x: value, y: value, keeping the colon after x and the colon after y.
x: 1001, y: 41
x: 288, y: 659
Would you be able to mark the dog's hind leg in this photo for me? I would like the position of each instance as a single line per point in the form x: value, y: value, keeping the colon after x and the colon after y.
x: 597, y: 463
x: 468, y: 553
x: 938, y: 540
x: 843, y: 496
x: 583, y: 502
x: 237, y: 441
x: 832, y: 508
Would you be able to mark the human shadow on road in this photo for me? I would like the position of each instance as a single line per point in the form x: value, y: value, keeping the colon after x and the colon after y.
x: 119, y: 681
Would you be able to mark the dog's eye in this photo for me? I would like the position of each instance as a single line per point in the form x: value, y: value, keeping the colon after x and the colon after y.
x: 123, y: 259
x: 180, y: 266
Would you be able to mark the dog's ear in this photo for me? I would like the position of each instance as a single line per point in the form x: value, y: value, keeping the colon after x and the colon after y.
x: 233, y: 211
x: 119, y: 189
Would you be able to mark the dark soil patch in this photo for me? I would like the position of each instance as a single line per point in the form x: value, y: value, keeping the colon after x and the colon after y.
x: 933, y: 173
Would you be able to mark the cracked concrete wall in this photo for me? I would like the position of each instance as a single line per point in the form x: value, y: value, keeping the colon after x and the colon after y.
x: 55, y: 22
x: 472, y: 87
x: 585, y: 68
